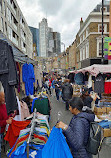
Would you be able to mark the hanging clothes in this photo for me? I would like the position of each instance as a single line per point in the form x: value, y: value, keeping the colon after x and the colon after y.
x: 79, y: 78
x: 28, y: 78
x: 42, y: 105
x: 107, y: 86
x: 14, y: 129
x: 21, y: 80
x: 18, y: 73
x: 56, y: 146
x: 71, y: 77
x: 24, y: 110
x: 8, y: 75
x: 99, y: 84
x: 22, y: 152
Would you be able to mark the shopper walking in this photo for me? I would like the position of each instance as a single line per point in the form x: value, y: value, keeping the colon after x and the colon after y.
x: 77, y: 133
x: 67, y: 92
x: 58, y: 85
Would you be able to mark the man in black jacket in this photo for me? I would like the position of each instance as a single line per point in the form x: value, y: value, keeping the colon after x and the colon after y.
x: 67, y: 92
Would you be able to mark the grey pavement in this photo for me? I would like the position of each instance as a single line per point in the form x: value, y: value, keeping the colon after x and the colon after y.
x: 65, y: 116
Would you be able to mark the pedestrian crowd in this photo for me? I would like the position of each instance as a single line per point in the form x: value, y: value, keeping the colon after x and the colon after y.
x: 77, y: 132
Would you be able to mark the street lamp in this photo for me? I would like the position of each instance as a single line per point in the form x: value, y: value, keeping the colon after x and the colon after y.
x: 102, y: 30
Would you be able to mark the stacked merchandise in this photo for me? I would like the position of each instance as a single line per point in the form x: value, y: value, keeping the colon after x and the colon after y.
x: 39, y: 136
x: 77, y: 90
x: 103, y: 112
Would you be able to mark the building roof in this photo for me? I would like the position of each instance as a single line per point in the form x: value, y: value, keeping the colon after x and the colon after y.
x: 106, y: 4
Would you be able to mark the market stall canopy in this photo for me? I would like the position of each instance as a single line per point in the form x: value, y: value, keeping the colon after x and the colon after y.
x: 18, y: 55
x: 95, y: 69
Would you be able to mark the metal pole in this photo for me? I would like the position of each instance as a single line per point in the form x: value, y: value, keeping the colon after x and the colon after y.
x: 102, y: 30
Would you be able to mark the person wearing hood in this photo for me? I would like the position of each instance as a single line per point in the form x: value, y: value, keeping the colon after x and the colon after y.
x: 67, y: 92
x: 78, y: 131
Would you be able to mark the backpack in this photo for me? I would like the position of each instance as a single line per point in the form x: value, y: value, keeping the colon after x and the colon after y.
x: 95, y: 139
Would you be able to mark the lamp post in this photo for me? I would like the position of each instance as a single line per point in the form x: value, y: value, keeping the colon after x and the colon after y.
x: 102, y: 61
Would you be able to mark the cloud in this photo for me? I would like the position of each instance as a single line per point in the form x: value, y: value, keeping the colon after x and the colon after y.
x: 51, y: 7
x: 62, y: 15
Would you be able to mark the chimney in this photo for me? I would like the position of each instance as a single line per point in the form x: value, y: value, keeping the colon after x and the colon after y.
x: 81, y: 23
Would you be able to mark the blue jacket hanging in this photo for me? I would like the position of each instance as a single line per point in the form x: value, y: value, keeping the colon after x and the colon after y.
x: 28, y: 78
x: 56, y: 146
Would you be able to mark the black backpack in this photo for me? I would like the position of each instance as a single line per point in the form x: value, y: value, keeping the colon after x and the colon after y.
x: 95, y: 139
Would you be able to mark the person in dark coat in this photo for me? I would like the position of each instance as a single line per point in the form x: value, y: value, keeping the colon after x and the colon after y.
x: 87, y: 99
x: 58, y: 84
x: 67, y: 92
x: 77, y: 133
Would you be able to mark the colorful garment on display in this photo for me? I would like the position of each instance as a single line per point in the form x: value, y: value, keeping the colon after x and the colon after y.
x: 28, y: 78
x: 14, y: 130
x: 21, y: 152
x: 107, y: 86
x: 42, y: 105
x: 99, y: 84
x: 56, y: 146
x: 79, y: 78
x: 24, y: 110
x: 105, y: 124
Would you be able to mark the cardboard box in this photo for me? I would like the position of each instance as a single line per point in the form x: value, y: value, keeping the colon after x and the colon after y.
x: 108, y: 109
x: 107, y: 132
x: 99, y: 110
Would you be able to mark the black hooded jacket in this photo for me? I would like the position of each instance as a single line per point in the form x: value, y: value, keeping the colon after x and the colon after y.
x: 67, y: 91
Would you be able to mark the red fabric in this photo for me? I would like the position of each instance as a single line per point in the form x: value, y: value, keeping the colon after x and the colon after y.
x: 3, y: 117
x: 107, y: 87
x: 109, y: 57
x: 14, y: 130
x: 40, y: 137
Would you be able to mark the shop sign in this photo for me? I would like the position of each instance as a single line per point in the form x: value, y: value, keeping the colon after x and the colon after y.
x: 107, y: 48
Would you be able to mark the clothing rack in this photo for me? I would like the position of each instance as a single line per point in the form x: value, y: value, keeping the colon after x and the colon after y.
x: 31, y: 131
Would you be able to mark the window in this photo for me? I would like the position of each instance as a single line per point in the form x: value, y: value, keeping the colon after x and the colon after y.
x: 8, y: 14
x: 9, y: 33
x: 100, y: 49
x: 77, y: 57
x: 87, y: 31
x: 81, y: 54
x: 104, y: 9
x: 87, y: 51
x: 84, y: 56
x: 2, y: 26
x: 100, y: 28
x: 1, y: 6
x: 83, y: 35
x: 80, y: 39
x: 4, y: 10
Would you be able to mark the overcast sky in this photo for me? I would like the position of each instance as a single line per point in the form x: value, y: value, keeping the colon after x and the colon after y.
x: 62, y: 15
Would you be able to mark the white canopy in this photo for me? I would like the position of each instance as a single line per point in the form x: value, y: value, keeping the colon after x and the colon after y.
x: 95, y: 69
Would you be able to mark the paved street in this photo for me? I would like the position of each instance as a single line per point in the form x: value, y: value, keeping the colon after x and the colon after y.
x: 59, y: 106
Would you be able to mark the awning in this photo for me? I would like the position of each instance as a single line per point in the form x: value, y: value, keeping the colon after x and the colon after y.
x: 95, y: 69
x: 18, y: 55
